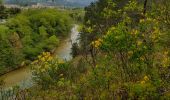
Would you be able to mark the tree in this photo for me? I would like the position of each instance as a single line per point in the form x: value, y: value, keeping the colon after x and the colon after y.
x: 2, y: 12
x: 8, y: 57
x: 75, y: 50
x: 14, y: 11
x: 144, y: 7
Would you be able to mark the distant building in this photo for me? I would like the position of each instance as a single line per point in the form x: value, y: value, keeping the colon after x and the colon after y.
x: 36, y: 5
x: 12, y: 6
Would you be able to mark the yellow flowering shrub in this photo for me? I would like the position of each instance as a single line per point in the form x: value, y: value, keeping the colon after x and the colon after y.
x: 97, y: 43
x: 134, y: 32
x: 165, y: 59
x: 47, y: 70
x: 144, y: 80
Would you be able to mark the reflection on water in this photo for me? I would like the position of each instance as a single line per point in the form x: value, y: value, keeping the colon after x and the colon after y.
x: 64, y: 50
x: 22, y: 77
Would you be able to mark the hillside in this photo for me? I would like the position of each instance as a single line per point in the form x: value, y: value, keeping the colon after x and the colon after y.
x: 119, y: 50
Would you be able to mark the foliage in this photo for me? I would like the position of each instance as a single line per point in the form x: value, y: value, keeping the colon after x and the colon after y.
x: 124, y: 53
x: 9, y: 56
x: 75, y: 50
x: 128, y: 53
x: 77, y: 14
x: 31, y: 32
x: 8, y: 12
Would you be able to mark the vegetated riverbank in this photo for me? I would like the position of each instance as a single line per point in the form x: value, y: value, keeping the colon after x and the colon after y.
x: 31, y: 32
x: 22, y: 76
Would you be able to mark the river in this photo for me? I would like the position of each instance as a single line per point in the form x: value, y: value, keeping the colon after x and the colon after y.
x: 22, y: 76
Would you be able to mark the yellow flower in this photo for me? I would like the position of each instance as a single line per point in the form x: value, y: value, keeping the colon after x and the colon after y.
x: 130, y: 52
x: 48, y: 53
x: 43, y: 59
x: 97, y: 43
x: 39, y: 56
x: 149, y: 19
x: 134, y: 32
x: 166, y: 52
x: 142, y: 58
x: 49, y: 58
x: 139, y: 43
x: 96, y: 66
x: 100, y: 40
x: 61, y: 62
x: 142, y: 82
x: 146, y: 78
x: 156, y: 30
x: 142, y: 20
x: 165, y: 62
x: 153, y: 37
x: 44, y: 53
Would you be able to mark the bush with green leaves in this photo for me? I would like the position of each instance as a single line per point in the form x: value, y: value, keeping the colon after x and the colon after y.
x: 9, y: 55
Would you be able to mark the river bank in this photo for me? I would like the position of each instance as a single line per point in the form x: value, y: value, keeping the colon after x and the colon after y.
x: 22, y: 76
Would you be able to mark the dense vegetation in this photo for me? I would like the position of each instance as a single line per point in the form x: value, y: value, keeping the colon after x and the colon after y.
x: 7, y: 12
x: 26, y: 35
x: 124, y: 53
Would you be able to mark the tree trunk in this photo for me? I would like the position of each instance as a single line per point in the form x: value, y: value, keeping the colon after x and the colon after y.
x: 145, y: 7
